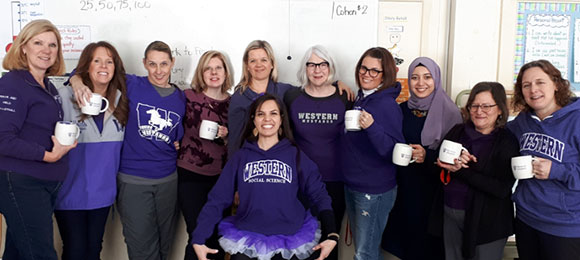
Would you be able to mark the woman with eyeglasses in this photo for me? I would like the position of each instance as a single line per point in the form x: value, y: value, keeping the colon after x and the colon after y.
x: 474, y: 211
x: 259, y: 76
x: 427, y: 117
x: 547, y: 222
x: 369, y: 174
x: 316, y: 112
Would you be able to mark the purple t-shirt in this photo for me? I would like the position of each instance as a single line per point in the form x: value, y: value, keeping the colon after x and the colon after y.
x: 318, y: 125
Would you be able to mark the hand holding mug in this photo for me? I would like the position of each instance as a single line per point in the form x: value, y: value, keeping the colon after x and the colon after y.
x: 365, y: 120
x: 81, y: 91
x: 222, y: 132
x: 541, y: 168
x: 58, y: 150
x: 458, y: 163
x: 419, y: 153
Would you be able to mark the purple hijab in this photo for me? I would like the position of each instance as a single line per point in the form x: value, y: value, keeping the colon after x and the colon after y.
x: 443, y: 113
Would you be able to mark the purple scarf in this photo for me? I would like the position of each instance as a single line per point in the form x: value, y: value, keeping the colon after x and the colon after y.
x: 443, y: 113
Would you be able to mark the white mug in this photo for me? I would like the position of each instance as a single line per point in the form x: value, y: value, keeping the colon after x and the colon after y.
x: 402, y: 154
x: 93, y: 106
x: 351, y: 120
x: 208, y: 129
x: 522, y: 167
x: 450, y: 151
x: 66, y: 132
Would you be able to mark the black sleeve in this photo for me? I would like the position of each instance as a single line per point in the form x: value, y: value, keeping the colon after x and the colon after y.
x: 327, y: 224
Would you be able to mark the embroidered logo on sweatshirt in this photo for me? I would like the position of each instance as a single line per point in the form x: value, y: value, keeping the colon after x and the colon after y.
x: 543, y: 144
x: 156, y: 122
x: 268, y: 171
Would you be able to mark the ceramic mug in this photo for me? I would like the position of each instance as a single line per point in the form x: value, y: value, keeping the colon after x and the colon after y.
x: 351, y: 118
x: 93, y: 105
x: 450, y: 151
x: 522, y: 167
x: 403, y: 154
x: 66, y: 132
x: 208, y: 129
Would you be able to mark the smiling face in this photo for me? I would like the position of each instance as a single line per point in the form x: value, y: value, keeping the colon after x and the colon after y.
x: 214, y: 73
x: 484, y: 121
x: 41, y: 52
x: 268, y: 120
x: 367, y: 82
x: 422, y: 83
x: 102, y: 68
x: 158, y: 65
x: 317, y: 74
x: 259, y: 64
x: 538, y: 91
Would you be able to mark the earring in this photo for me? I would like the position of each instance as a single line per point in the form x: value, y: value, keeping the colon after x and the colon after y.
x: 255, y: 131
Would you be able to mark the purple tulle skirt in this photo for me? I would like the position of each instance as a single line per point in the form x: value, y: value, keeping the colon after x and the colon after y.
x: 263, y: 247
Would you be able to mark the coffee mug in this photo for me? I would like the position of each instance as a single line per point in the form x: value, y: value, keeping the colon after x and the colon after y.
x: 93, y: 105
x: 402, y: 154
x: 351, y: 120
x: 450, y: 151
x: 208, y: 129
x: 522, y: 167
x: 66, y: 132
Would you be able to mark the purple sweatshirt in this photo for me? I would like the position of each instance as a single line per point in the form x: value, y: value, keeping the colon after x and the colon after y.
x: 553, y: 205
x: 28, y: 115
x: 318, y: 125
x: 367, y: 155
x: 154, y: 124
x: 268, y: 183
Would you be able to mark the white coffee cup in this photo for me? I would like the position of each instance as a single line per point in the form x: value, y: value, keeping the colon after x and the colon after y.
x: 208, y: 129
x: 522, y: 167
x: 93, y: 105
x: 402, y: 154
x: 351, y: 118
x: 66, y: 132
x: 450, y: 151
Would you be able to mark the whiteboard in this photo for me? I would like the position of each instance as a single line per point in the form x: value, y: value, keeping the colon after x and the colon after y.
x: 346, y: 28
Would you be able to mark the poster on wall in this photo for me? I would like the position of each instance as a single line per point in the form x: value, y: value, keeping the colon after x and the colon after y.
x: 549, y: 31
x: 399, y: 31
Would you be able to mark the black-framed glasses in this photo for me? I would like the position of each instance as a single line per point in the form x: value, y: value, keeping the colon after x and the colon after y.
x: 372, y: 72
x: 322, y: 65
x: 484, y: 107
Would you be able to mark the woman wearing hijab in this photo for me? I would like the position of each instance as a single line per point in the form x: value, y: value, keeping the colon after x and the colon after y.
x: 427, y: 117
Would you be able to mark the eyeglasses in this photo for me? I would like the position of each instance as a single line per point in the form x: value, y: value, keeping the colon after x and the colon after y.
x: 372, y: 72
x: 484, y: 107
x: 323, y: 65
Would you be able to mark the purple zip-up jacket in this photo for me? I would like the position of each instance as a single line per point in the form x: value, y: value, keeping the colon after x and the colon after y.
x: 28, y: 115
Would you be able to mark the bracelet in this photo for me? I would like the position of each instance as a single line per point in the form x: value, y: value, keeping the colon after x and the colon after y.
x: 333, y: 236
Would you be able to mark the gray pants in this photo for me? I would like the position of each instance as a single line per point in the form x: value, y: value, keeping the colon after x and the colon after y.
x: 453, y: 238
x: 148, y: 214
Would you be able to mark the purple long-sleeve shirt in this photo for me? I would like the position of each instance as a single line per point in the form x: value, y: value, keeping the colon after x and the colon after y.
x: 28, y: 115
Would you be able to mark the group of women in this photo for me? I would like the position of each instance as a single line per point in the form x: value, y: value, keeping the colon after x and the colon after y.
x: 282, y: 154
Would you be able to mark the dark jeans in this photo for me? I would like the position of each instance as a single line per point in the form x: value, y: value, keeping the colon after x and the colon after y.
x: 82, y: 232
x: 27, y: 204
x: 533, y: 244
x: 192, y: 191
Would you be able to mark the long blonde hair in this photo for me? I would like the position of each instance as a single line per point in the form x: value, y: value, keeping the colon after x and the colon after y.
x: 15, y: 59
x: 198, y: 85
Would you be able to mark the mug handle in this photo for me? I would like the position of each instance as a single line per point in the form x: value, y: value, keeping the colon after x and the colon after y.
x: 216, y: 133
x: 78, y: 131
x: 106, y: 105
x: 413, y: 160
